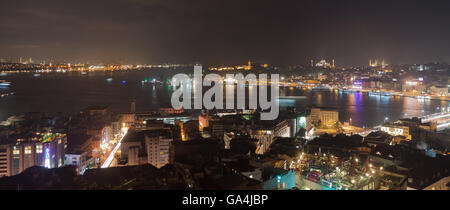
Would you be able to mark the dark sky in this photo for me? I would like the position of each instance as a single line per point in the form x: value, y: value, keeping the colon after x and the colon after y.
x: 226, y: 32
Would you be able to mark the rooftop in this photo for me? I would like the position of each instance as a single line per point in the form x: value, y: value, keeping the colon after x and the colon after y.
x: 136, y: 136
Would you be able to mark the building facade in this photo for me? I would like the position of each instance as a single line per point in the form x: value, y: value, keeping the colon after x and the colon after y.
x: 45, y: 150
x: 266, y: 135
x: 147, y: 147
x: 158, y: 149
x: 326, y: 116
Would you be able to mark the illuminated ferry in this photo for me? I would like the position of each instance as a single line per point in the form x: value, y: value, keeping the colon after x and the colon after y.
x: 4, y: 83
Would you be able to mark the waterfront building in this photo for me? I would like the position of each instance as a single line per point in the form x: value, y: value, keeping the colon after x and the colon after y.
x: 414, y: 86
x: 439, y: 90
x: 396, y: 130
x: 326, y: 116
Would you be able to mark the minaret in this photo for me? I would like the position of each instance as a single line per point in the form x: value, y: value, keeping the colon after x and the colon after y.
x: 370, y: 62
x: 312, y: 63
x: 333, y: 63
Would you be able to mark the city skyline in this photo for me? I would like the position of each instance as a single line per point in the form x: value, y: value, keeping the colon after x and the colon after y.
x: 218, y: 32
x: 252, y: 96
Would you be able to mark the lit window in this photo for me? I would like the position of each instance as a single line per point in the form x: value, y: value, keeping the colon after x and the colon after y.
x: 39, y: 148
x: 16, y: 151
x: 28, y: 150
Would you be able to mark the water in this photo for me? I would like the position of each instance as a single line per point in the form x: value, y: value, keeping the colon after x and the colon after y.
x: 72, y: 91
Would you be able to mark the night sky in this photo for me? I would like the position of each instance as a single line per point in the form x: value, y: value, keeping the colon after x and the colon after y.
x: 226, y: 32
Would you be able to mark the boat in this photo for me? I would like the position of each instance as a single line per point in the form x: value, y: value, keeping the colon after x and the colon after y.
x: 292, y: 97
x: 4, y: 83
x: 321, y: 88
x: 36, y: 75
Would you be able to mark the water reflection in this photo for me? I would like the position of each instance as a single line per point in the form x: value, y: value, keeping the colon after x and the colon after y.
x: 50, y: 93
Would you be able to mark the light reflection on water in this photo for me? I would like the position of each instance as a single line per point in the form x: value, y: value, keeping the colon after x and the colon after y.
x: 71, y: 92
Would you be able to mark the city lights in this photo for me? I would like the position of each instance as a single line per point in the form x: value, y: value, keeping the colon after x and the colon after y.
x: 218, y: 96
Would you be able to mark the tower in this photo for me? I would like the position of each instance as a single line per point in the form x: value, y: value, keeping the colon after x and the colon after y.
x: 133, y: 106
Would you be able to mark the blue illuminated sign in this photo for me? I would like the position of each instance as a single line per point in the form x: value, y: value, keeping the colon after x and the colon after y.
x: 47, y: 158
